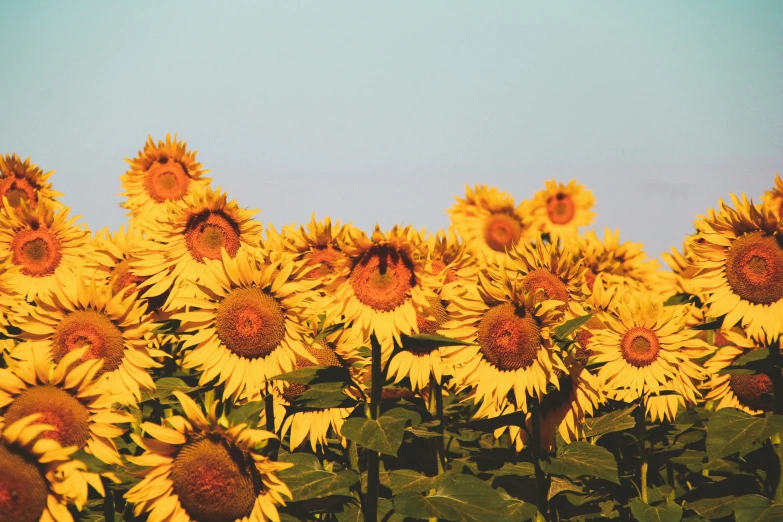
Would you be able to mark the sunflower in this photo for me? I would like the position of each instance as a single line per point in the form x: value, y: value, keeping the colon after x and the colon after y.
x: 339, y: 348
x: 623, y: 263
x: 196, y: 229
x: 512, y: 332
x: 647, y: 349
x: 23, y: 181
x: 490, y: 222
x: 382, y: 285
x: 160, y: 174
x: 38, y: 478
x: 46, y: 246
x: 739, y: 254
x: 8, y: 296
x: 200, y: 470
x: 559, y: 210
x: 449, y: 257
x: 67, y: 398
x: 110, y: 324
x: 744, y: 391
x: 774, y: 197
x: 250, y: 324
x: 680, y: 281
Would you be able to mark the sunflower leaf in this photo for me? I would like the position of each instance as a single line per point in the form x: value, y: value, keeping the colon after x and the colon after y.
x: 312, y: 375
x: 712, y: 325
x: 644, y: 512
x: 429, y: 342
x: 711, y: 508
x: 328, y: 331
x: 383, y: 435
x: 165, y: 388
x: 570, y: 326
x: 731, y: 430
x: 617, y: 420
x: 308, y: 480
x: 457, y: 498
x: 580, y: 459
x: 755, y: 508
x: 681, y: 299
x: 407, y: 481
x: 320, y: 399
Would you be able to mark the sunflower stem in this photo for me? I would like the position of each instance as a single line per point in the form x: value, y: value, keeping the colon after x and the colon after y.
x: 542, y: 489
x: 641, y: 429
x: 777, y: 394
x: 108, y: 502
x: 440, y: 451
x: 269, y: 414
x: 373, y: 457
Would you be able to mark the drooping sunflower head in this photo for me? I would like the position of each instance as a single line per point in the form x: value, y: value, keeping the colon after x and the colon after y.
x: 559, y: 210
x: 200, y: 470
x: 23, y: 181
x: 161, y: 173
x: 646, y: 348
x: 621, y: 262
x: 47, y: 247
x: 774, y: 197
x: 114, y: 253
x: 449, y: 257
x: 489, y: 222
x: 739, y: 255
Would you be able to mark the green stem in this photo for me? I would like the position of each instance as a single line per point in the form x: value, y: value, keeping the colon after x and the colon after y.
x: 777, y: 390
x: 436, y: 391
x: 641, y: 433
x: 269, y: 414
x: 373, y: 457
x: 542, y: 488
x: 108, y: 502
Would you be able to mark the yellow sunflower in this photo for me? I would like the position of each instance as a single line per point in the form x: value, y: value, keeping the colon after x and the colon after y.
x: 110, y: 325
x: 335, y: 349
x: 774, y: 197
x: 489, y: 222
x: 250, y: 324
x: 46, y: 246
x: 749, y: 392
x: 513, y: 348
x: 160, y: 174
x: 23, y: 181
x: 623, y: 263
x: 739, y: 254
x: 559, y: 210
x: 66, y: 397
x: 198, y: 228
x: 38, y: 479
x: 200, y: 470
x: 383, y: 284
x: 648, y: 349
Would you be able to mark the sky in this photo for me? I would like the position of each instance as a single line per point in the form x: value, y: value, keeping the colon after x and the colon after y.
x: 382, y: 112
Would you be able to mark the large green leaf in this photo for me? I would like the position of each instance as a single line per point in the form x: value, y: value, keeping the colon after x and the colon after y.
x: 580, y: 459
x: 521, y: 469
x: 428, y: 342
x: 693, y: 460
x: 383, y: 435
x: 618, y: 420
x: 458, y: 498
x: 313, y: 375
x: 247, y: 413
x: 730, y: 430
x: 755, y: 508
x: 308, y: 480
x: 320, y: 399
x: 409, y: 481
x: 165, y: 388
x: 644, y: 512
x: 713, y: 507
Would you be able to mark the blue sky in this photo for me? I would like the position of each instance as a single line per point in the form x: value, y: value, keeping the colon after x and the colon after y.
x: 383, y: 112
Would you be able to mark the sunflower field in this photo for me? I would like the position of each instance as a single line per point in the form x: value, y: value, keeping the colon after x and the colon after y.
x: 196, y: 366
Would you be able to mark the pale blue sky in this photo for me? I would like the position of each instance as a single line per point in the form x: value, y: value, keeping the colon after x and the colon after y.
x: 383, y: 112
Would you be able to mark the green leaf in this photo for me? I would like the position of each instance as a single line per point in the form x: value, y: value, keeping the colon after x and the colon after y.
x: 247, y: 413
x: 691, y: 459
x: 618, y: 420
x: 580, y: 459
x: 165, y: 388
x: 405, y: 413
x: 570, y: 326
x: 350, y: 513
x: 521, y: 469
x: 680, y: 299
x: 755, y: 508
x: 383, y: 435
x: 328, y: 331
x: 730, y: 430
x: 661, y: 513
x: 318, y: 399
x: 427, y: 342
x: 308, y: 480
x: 713, y: 507
x: 758, y: 354
x: 713, y: 325
x: 314, y: 375
x: 457, y: 498
x: 409, y: 481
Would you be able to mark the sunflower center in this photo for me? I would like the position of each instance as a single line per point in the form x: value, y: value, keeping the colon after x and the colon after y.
x: 550, y: 285
x: 502, y: 231
x: 509, y: 337
x: 752, y: 391
x: 123, y: 278
x: 215, y: 482
x: 327, y: 258
x: 754, y: 268
x: 207, y: 233
x: 93, y: 329
x: 250, y: 323
x: 640, y: 346
x: 560, y: 209
x: 37, y: 250
x: 583, y: 336
x: 58, y: 408
x: 166, y: 179
x: 23, y: 489
x: 439, y: 266
x: 383, y: 278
